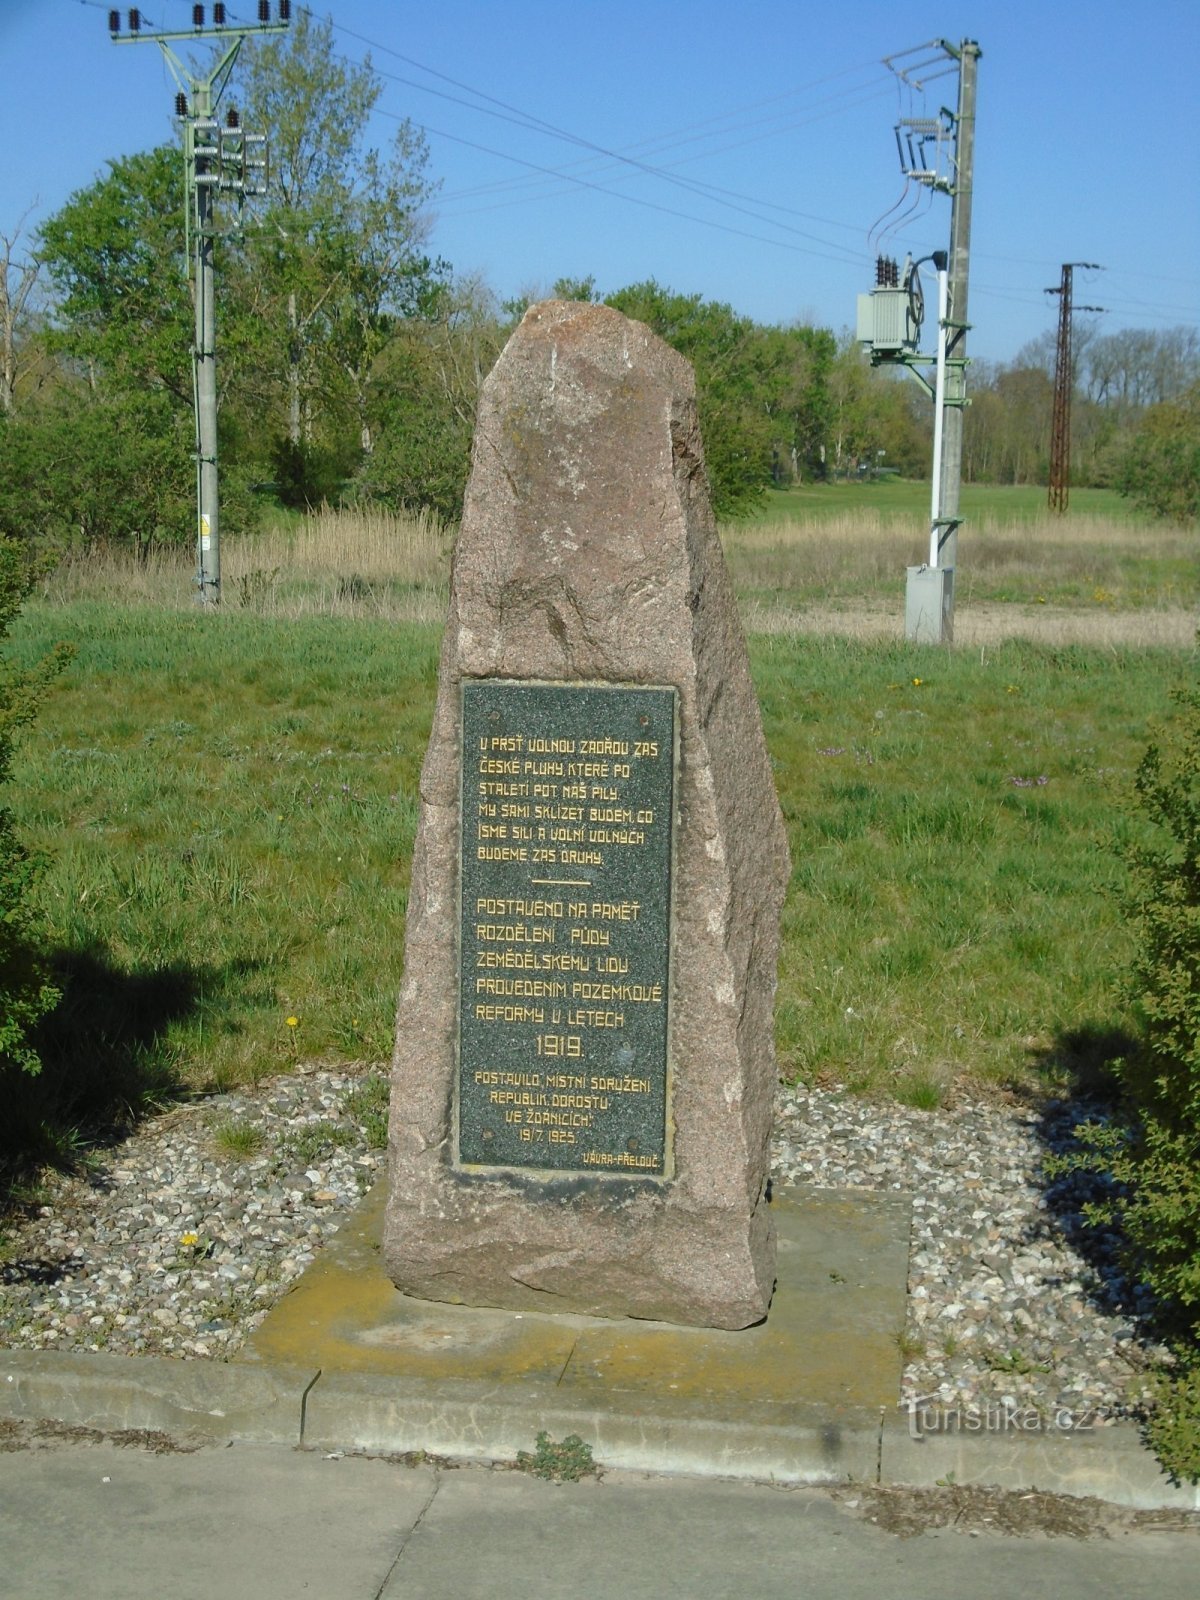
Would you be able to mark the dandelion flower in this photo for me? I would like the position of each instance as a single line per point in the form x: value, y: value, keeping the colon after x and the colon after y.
x: 293, y: 1022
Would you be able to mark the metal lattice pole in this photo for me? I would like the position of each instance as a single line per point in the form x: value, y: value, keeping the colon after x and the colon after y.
x: 1064, y: 383
x: 1060, y: 425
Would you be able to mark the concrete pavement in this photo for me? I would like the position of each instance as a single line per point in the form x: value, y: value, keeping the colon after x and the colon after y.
x: 266, y: 1522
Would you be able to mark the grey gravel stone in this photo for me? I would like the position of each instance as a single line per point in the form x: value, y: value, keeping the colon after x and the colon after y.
x: 1011, y: 1298
x: 169, y: 1245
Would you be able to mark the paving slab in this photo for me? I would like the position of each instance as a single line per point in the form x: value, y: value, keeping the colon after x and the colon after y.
x: 204, y: 1399
x: 263, y: 1522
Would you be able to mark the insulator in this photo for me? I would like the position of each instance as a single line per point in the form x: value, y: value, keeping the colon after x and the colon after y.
x: 264, y: 10
x: 181, y: 104
x: 232, y: 120
x: 285, y: 10
x: 219, y: 15
x: 114, y: 22
x: 880, y: 272
x: 197, y: 16
x: 135, y: 21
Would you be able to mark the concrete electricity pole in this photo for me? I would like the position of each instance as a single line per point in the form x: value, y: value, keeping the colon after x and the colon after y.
x: 889, y: 321
x: 960, y: 260
x: 1064, y: 380
x: 216, y: 159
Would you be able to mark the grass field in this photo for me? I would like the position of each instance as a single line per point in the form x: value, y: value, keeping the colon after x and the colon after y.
x: 849, y: 546
x: 228, y: 803
x: 895, y: 498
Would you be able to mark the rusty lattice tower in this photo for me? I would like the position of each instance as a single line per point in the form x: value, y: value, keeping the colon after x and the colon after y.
x: 1064, y: 383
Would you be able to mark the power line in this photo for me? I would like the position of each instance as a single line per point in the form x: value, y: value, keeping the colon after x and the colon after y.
x: 634, y: 200
x: 514, y: 114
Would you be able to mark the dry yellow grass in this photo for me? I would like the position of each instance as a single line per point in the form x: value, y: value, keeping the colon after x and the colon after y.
x: 342, y: 563
x: 1079, y: 580
x: 862, y: 545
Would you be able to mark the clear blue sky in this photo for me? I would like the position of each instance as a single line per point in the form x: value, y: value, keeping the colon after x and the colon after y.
x: 1087, y: 145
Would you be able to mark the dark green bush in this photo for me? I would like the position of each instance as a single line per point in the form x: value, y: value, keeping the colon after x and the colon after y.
x: 26, y: 990
x: 1153, y: 1150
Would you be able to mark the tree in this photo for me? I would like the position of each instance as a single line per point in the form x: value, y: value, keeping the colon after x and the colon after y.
x: 734, y: 422
x: 115, y: 258
x: 430, y: 380
x: 107, y: 452
x: 796, y: 364
x: 1006, y: 429
x: 336, y: 266
x: 576, y: 289
x: 1161, y: 468
x: 17, y: 280
x: 26, y: 989
x: 80, y: 467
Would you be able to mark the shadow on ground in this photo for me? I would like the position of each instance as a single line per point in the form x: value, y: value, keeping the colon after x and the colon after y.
x: 105, y: 1059
x: 1083, y: 1060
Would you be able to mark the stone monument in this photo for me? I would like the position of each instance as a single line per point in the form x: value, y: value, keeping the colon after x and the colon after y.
x: 584, y: 1071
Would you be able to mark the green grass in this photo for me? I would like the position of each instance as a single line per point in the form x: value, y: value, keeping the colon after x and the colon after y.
x: 954, y: 915
x: 238, y: 1139
x: 229, y: 804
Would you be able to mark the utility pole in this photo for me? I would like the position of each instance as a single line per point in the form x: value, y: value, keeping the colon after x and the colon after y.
x: 929, y: 598
x: 216, y: 159
x: 960, y: 260
x: 1064, y: 381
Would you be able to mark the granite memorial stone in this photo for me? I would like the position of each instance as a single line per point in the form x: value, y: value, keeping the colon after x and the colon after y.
x: 584, y: 1070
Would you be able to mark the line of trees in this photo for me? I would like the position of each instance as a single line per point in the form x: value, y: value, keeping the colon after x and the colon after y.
x: 1122, y: 381
x: 350, y: 358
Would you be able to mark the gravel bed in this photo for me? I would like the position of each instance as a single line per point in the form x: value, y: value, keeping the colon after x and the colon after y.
x: 181, y: 1238
x: 1013, y: 1301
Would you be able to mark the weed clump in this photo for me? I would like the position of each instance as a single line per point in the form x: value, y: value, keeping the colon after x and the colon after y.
x: 558, y: 1462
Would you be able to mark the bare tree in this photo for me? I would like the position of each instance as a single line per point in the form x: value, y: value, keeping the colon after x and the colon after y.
x: 17, y: 280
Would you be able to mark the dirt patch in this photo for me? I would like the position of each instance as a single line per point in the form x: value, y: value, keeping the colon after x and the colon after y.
x: 989, y: 623
x: 972, y: 1509
x: 17, y: 1433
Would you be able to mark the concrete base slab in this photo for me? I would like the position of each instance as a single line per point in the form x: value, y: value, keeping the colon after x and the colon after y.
x: 831, y: 1335
x: 212, y: 1401
x: 1108, y: 1462
x: 811, y: 1395
x: 799, y: 1396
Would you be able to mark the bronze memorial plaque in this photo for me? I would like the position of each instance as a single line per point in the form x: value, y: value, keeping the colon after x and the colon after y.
x: 565, y: 928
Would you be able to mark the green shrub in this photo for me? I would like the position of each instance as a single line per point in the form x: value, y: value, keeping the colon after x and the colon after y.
x: 1162, y: 1080
x: 1160, y: 469
x: 1153, y: 1151
x: 26, y: 991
